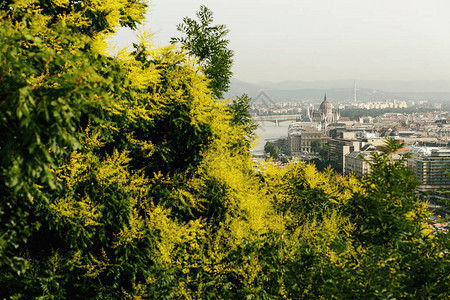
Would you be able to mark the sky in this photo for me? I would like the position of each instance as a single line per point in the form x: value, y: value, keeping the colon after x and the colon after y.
x: 320, y: 39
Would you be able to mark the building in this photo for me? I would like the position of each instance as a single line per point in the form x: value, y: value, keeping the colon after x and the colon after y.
x: 374, y: 141
x: 339, y: 147
x: 356, y: 163
x: 324, y: 115
x: 301, y: 139
x: 431, y: 170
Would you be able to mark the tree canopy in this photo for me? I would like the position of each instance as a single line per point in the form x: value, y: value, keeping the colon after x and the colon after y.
x: 272, y: 150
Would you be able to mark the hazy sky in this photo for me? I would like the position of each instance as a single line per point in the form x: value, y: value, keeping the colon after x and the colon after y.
x: 322, y: 39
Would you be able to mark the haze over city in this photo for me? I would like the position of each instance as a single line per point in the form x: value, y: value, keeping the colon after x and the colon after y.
x: 322, y: 39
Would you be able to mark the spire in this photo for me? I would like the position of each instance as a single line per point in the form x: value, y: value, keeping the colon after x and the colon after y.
x: 325, y: 98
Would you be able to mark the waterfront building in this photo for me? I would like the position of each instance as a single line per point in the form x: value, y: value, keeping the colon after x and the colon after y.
x: 301, y: 139
x: 324, y: 115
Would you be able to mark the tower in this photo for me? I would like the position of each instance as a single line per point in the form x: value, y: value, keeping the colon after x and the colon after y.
x: 326, y: 110
x: 308, y: 114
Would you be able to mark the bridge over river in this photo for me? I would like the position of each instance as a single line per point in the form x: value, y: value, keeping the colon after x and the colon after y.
x: 277, y: 119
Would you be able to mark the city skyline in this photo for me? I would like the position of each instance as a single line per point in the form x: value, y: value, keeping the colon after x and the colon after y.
x: 320, y: 40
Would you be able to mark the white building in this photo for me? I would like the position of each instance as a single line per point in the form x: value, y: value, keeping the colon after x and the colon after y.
x: 324, y: 115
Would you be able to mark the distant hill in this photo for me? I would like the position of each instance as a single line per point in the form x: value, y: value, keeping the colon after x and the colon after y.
x: 342, y: 90
x: 415, y: 86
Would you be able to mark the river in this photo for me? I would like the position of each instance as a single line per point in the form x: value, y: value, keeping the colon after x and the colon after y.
x: 268, y: 131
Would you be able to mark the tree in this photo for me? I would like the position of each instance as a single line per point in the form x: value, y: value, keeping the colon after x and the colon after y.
x: 351, y: 237
x: 81, y: 132
x: 391, y: 221
x: 391, y: 199
x: 239, y: 110
x: 273, y: 151
x: 117, y: 175
x: 49, y: 83
x: 208, y: 44
x: 322, y: 150
x: 315, y: 146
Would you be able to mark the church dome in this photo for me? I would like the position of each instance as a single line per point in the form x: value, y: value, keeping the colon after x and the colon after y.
x: 325, y: 105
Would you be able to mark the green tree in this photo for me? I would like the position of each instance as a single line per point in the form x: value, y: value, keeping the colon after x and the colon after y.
x: 315, y: 146
x: 273, y: 151
x: 239, y: 110
x: 118, y: 179
x: 391, y: 223
x: 392, y: 197
x: 49, y: 83
x: 81, y: 132
x: 320, y: 149
x: 324, y: 152
x: 355, y: 238
x: 207, y: 42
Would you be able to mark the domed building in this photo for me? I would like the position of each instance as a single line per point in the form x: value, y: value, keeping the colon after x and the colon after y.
x: 325, y: 114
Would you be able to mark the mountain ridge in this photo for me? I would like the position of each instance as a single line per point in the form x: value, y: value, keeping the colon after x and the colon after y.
x: 341, y: 90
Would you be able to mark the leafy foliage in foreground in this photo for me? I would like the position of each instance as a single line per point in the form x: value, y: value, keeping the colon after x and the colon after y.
x: 124, y: 178
x: 208, y: 44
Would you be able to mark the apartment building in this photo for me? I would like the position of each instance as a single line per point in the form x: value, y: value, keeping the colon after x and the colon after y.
x: 432, y: 170
x: 340, y: 147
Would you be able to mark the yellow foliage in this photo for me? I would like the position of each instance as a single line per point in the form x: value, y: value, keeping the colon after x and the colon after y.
x: 92, y: 138
x: 92, y: 265
x: 139, y: 76
x: 25, y: 4
x: 76, y: 169
x: 171, y: 235
x: 109, y: 14
x: 54, y: 262
x: 78, y: 212
x: 251, y: 211
x: 322, y: 235
x: 298, y: 176
x: 131, y: 231
x: 113, y: 169
x: 61, y: 3
x: 312, y: 177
